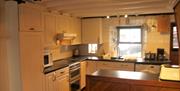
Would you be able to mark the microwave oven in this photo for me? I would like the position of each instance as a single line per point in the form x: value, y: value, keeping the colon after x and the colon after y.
x: 48, y: 60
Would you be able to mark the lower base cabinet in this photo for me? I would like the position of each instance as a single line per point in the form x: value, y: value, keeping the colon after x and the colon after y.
x: 110, y: 84
x: 58, y: 80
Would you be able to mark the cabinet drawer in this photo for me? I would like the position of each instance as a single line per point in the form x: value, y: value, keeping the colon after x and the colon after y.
x: 115, y: 66
x: 148, y: 68
x: 63, y: 71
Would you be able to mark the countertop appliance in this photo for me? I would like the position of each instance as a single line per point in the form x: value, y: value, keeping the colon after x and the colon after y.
x: 48, y: 59
x: 75, y: 53
x: 160, y: 54
x: 170, y: 73
x: 150, y: 56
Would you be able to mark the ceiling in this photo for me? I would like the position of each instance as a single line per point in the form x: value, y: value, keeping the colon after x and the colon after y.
x: 94, y: 8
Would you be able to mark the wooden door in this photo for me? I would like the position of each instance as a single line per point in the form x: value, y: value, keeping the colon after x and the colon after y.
x: 62, y: 83
x: 83, y: 75
x: 31, y: 61
x: 163, y: 24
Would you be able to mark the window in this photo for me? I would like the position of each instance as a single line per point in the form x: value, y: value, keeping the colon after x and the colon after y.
x: 92, y: 48
x: 174, y: 38
x: 129, y: 41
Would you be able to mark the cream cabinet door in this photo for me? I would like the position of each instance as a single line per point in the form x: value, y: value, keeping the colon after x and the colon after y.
x: 49, y: 29
x: 91, y: 67
x: 50, y: 82
x: 91, y: 31
x: 31, y: 18
x: 62, y: 24
x: 83, y: 75
x: 76, y: 29
x: 115, y: 66
x: 31, y: 61
x: 155, y: 69
x: 62, y: 83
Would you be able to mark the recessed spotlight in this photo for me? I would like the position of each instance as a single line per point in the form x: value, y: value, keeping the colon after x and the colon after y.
x: 107, y: 17
x: 125, y: 15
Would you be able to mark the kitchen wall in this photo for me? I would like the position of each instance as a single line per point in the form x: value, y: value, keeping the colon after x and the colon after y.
x: 152, y: 39
x: 62, y: 51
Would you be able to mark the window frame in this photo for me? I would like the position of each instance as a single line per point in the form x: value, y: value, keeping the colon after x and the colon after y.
x: 129, y: 27
x: 171, y: 37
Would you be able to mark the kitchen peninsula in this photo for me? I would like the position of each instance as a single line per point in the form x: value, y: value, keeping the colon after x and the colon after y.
x: 111, y: 80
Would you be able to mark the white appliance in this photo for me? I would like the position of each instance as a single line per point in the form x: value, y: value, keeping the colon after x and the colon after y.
x: 170, y: 73
x: 48, y: 59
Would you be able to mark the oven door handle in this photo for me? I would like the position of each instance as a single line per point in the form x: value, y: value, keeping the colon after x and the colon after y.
x: 71, y: 70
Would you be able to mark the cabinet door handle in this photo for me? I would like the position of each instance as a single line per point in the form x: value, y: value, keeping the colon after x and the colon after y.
x: 62, y: 72
x: 54, y: 76
x: 151, y: 66
x: 32, y: 29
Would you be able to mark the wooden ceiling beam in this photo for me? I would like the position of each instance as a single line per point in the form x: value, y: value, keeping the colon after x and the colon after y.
x: 122, y: 12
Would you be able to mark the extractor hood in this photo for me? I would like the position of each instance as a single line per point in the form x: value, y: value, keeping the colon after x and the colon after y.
x: 65, y: 36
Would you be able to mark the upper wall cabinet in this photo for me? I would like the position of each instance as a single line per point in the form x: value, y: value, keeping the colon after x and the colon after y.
x: 31, y: 18
x: 163, y: 24
x: 49, y: 29
x: 75, y: 24
x: 62, y: 24
x: 67, y: 24
x: 92, y: 31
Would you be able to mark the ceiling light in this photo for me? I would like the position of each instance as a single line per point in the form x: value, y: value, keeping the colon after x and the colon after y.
x: 125, y: 15
x: 107, y: 17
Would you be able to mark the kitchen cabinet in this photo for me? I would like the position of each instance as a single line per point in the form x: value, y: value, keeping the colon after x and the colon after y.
x: 163, y: 24
x: 76, y: 29
x: 144, y: 88
x: 31, y: 17
x: 155, y: 69
x: 62, y: 24
x: 58, y: 80
x: 115, y: 66
x: 49, y: 29
x: 67, y: 24
x: 31, y: 61
x: 83, y: 75
x: 91, y: 67
x: 111, y: 80
x: 92, y: 31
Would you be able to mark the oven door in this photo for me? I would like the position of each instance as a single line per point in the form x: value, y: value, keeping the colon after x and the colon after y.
x: 74, y: 75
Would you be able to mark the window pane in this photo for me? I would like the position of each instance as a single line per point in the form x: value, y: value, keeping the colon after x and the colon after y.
x: 92, y: 48
x: 130, y: 35
x: 175, y: 39
x: 130, y: 50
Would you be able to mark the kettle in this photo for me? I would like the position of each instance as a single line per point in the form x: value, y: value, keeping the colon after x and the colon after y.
x: 75, y: 52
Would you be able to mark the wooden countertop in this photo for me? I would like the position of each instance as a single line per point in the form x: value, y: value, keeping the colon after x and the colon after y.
x: 136, y: 61
x: 130, y: 77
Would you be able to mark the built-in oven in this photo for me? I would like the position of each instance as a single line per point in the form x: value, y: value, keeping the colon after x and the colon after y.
x: 74, y: 70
